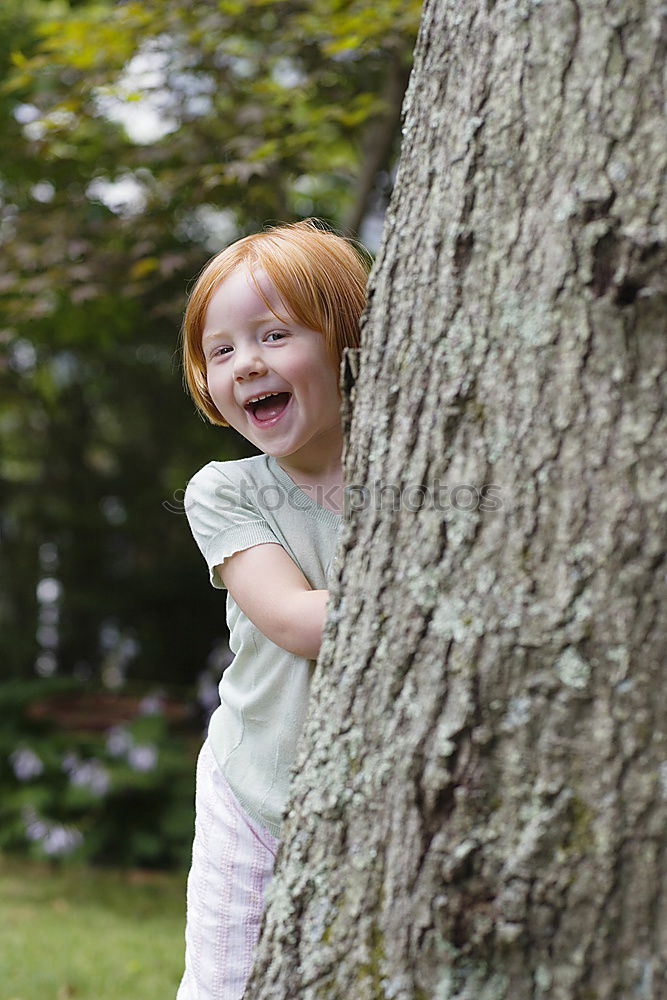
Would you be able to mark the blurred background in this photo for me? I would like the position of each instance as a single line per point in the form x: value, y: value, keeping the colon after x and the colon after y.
x: 138, y: 138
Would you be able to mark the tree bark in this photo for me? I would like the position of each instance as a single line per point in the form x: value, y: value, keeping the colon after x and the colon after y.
x: 481, y: 800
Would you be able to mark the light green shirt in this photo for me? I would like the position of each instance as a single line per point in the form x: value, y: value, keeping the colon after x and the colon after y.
x: 264, y: 692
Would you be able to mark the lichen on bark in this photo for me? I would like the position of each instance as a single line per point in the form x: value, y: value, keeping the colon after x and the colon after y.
x: 479, y: 806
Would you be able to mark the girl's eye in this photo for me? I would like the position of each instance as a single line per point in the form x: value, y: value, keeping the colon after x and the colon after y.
x: 277, y: 334
x: 220, y: 351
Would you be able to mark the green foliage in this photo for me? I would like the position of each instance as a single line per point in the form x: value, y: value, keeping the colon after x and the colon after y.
x: 261, y: 110
x: 122, y: 795
x: 262, y: 106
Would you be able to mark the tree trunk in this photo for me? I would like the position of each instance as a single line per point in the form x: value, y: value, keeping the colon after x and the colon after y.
x: 481, y: 800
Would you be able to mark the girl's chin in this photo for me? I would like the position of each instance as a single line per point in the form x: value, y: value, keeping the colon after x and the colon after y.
x: 275, y: 451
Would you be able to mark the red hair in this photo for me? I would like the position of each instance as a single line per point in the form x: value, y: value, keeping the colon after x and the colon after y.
x: 321, y: 278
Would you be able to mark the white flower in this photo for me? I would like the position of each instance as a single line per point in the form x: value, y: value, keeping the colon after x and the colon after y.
x: 71, y: 761
x: 61, y: 840
x: 91, y: 774
x: 119, y: 741
x: 152, y: 704
x: 142, y: 757
x: 35, y: 828
x: 26, y: 763
x: 53, y: 838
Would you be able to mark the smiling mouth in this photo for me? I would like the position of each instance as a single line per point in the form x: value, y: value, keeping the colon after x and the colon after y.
x: 270, y: 408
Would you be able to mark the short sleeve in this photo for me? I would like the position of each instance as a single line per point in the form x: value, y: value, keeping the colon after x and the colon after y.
x: 222, y: 516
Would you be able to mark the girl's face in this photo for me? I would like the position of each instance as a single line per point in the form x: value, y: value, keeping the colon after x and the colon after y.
x: 251, y: 354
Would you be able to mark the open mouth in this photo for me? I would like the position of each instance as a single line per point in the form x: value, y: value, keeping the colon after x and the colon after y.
x: 269, y: 407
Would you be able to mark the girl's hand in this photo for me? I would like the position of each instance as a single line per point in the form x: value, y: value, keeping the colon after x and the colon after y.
x: 273, y: 593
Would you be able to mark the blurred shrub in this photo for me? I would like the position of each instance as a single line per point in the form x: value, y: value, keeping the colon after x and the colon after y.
x: 121, y: 795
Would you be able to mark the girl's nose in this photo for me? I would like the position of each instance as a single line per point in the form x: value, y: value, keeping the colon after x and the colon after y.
x: 247, y: 363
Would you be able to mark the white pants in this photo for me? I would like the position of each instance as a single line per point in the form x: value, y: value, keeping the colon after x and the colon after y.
x: 232, y: 864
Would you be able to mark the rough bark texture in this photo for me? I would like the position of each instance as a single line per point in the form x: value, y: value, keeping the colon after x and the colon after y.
x: 481, y: 799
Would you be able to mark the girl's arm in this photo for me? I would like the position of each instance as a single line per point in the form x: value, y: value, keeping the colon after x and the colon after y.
x: 273, y: 593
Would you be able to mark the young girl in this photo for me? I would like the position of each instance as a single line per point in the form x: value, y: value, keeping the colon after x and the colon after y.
x: 263, y: 337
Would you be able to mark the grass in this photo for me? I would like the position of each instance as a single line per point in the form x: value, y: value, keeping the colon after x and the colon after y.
x: 77, y: 933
